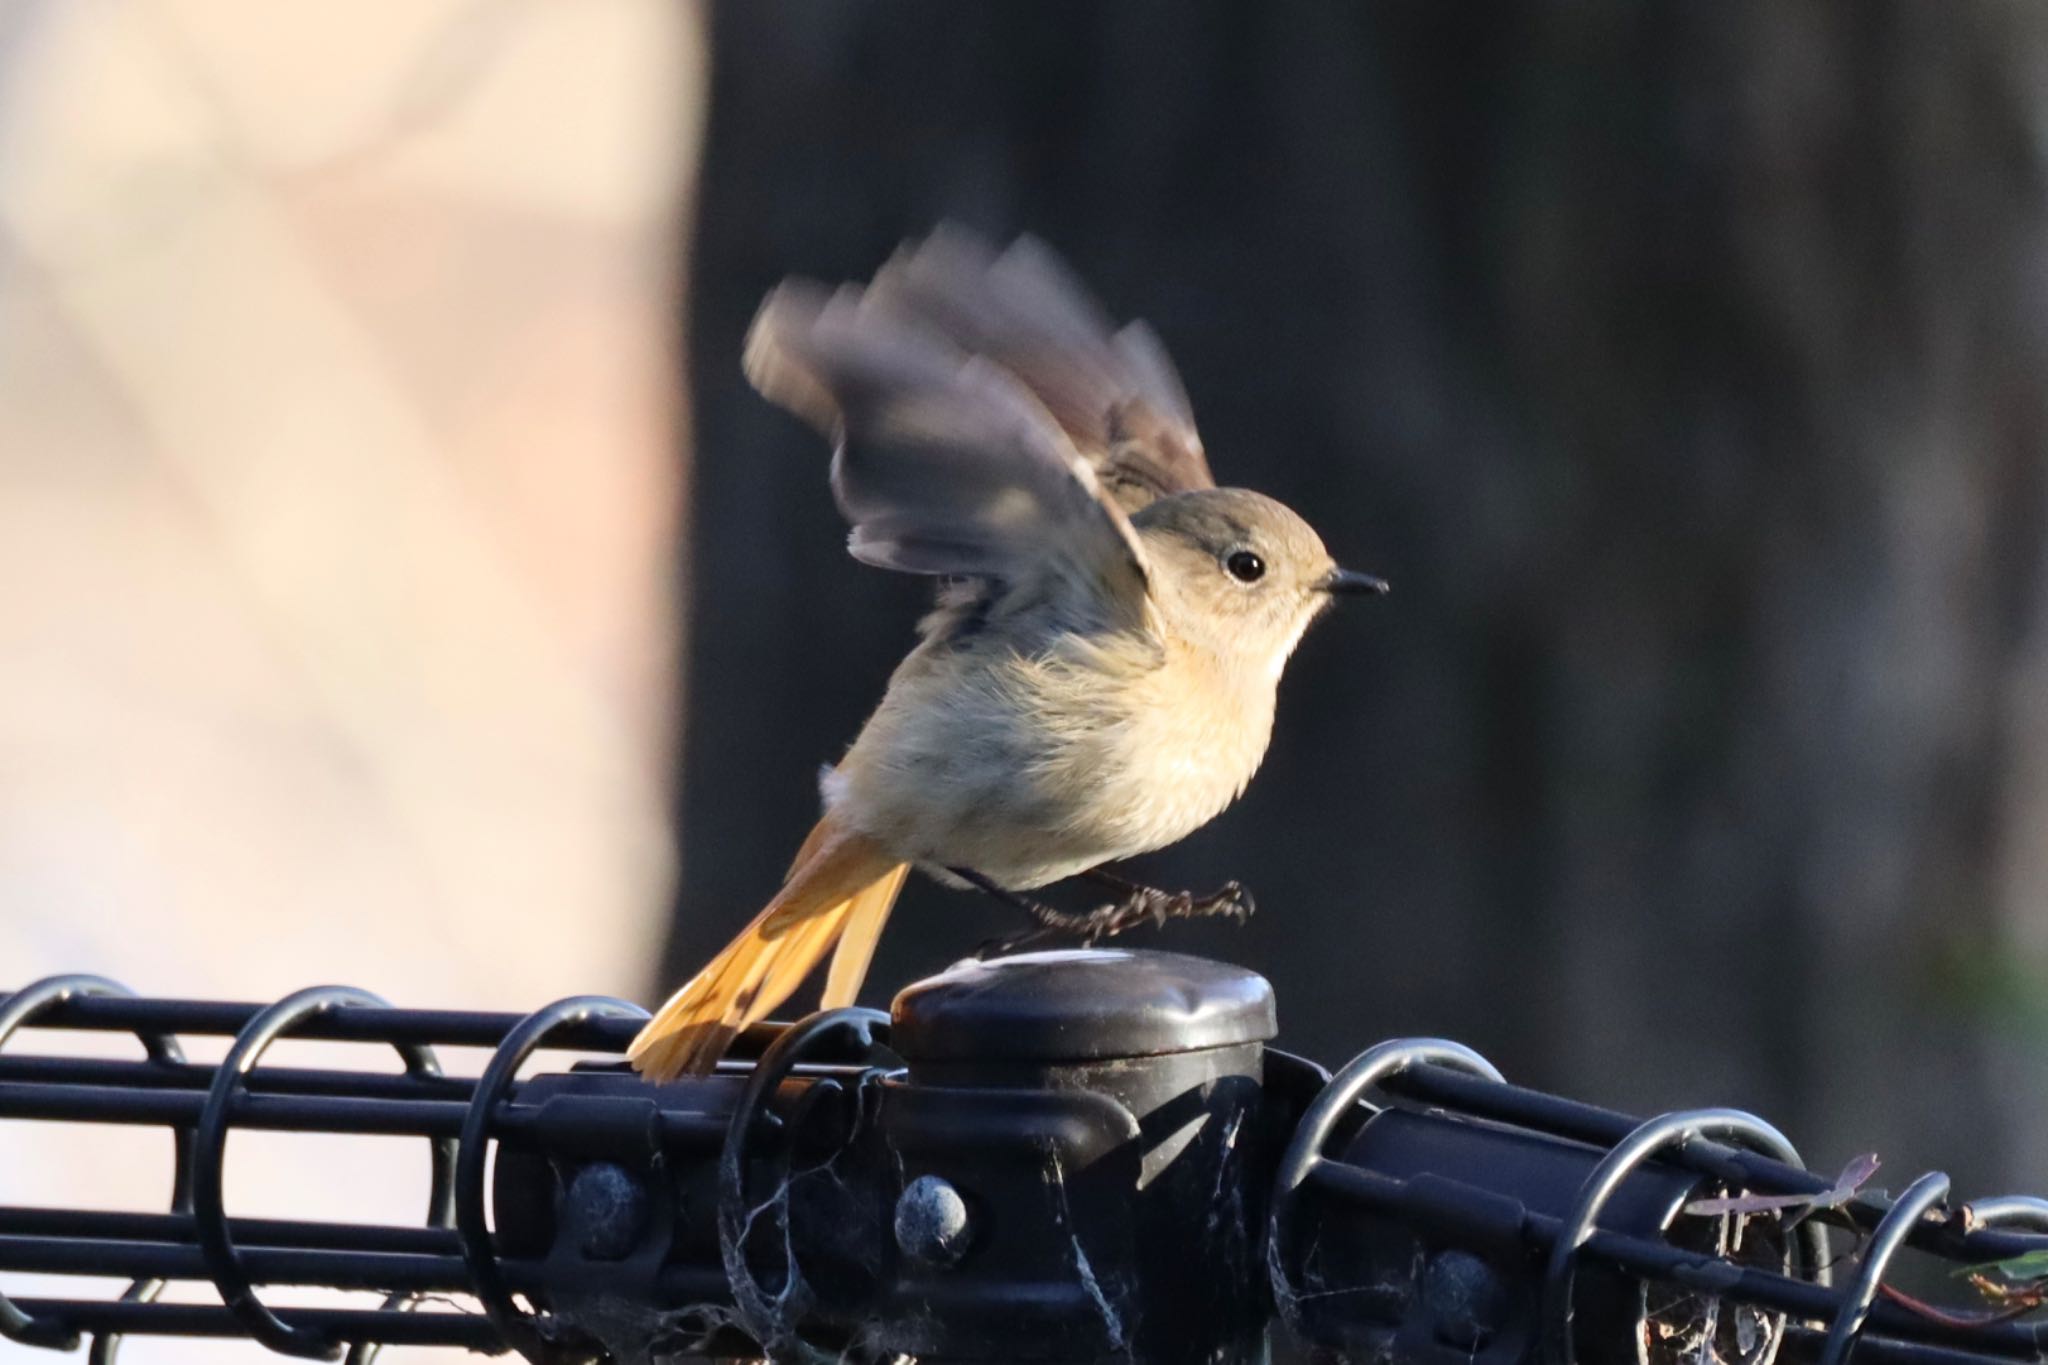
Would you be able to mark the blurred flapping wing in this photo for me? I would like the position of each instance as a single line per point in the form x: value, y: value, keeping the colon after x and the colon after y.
x: 1113, y: 392
x: 946, y: 463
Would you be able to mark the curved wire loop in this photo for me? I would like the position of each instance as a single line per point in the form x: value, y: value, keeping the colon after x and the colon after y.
x: 1647, y: 1140
x: 364, y: 1352
x: 106, y: 1346
x: 1331, y: 1104
x: 527, y: 1333
x: 209, y: 1147
x: 17, y: 1011
x: 440, y: 1214
x: 764, y: 1317
x: 1885, y: 1241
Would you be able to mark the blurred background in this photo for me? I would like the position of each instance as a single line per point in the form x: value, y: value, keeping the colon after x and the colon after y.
x: 341, y: 479
x: 402, y: 586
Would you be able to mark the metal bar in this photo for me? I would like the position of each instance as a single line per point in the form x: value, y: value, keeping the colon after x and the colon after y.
x: 1705, y: 1273
x: 353, y: 1023
x: 1802, y: 1346
x: 304, y: 1113
x: 175, y: 1228
x: 138, y: 1074
x: 276, y: 1080
x: 360, y: 1024
x: 181, y: 1109
x: 1588, y: 1123
x: 332, y: 1269
x: 209, y: 1320
x: 1553, y: 1114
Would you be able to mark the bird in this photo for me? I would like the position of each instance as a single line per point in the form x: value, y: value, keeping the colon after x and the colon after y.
x: 1098, y: 677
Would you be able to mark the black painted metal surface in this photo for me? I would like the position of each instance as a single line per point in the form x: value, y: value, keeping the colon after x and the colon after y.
x: 1053, y: 1161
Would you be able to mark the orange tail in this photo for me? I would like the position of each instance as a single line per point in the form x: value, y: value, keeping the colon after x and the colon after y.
x: 839, y: 892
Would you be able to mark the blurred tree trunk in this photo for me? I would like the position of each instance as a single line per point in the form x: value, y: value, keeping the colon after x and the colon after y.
x: 1682, y: 366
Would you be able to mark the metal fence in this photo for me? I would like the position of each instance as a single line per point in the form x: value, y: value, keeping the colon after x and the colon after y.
x: 1055, y: 1157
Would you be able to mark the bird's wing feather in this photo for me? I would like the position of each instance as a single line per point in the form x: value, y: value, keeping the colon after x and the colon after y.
x: 946, y: 463
x: 1113, y: 392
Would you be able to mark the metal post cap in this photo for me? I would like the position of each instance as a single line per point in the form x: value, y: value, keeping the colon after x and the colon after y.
x: 1080, y: 1005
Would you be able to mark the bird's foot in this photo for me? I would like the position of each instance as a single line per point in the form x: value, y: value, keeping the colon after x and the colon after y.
x: 1140, y: 905
x: 1150, y: 905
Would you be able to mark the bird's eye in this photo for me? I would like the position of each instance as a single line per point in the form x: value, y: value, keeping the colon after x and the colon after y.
x: 1245, y: 566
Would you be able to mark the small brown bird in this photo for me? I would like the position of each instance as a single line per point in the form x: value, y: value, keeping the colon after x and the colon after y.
x: 1098, y: 678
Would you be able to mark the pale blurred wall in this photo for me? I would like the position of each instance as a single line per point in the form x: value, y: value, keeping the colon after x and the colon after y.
x: 338, y: 477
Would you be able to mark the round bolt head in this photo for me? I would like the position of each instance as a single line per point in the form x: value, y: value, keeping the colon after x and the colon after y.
x: 1466, y: 1300
x: 931, y: 1222
x: 606, y: 1210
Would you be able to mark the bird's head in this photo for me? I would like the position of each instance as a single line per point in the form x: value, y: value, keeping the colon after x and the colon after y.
x: 1240, y: 574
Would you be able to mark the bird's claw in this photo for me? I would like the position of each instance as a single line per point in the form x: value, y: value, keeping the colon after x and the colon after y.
x: 1230, y: 900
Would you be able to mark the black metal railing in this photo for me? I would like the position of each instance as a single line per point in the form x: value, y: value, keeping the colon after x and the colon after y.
x: 1055, y: 1157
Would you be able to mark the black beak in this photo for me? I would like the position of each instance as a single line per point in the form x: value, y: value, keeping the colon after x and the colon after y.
x: 1345, y: 583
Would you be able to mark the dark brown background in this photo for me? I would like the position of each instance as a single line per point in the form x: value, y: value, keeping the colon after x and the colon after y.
x: 1682, y: 367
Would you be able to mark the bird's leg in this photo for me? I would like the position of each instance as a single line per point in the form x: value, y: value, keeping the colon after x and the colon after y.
x: 1115, y: 881
x: 1051, y: 923
x: 1045, y: 915
x: 1052, y: 926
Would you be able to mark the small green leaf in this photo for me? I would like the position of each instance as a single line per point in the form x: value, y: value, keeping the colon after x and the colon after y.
x: 2018, y: 1269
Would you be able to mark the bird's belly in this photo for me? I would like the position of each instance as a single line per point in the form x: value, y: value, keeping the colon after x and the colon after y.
x: 1025, y: 804
x: 1043, y: 837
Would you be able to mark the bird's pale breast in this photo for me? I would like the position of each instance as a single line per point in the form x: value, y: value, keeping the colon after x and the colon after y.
x: 1031, y: 767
